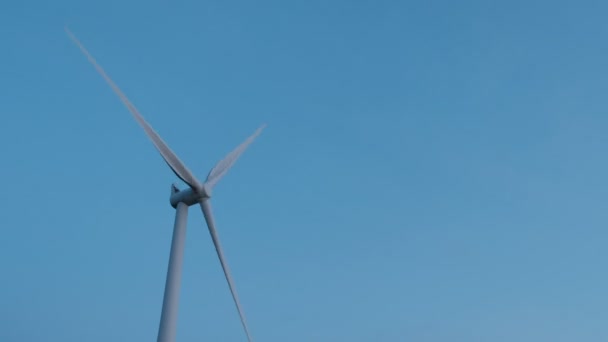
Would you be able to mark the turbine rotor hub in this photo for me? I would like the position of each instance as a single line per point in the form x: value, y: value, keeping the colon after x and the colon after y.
x: 205, y: 190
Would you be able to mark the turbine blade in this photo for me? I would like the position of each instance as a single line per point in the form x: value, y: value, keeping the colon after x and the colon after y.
x: 206, y: 206
x: 169, y: 156
x: 225, y: 164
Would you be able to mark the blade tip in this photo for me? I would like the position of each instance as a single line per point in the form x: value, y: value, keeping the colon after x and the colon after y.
x: 67, y: 30
x: 261, y: 128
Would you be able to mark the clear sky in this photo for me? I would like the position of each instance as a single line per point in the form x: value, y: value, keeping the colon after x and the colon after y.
x: 431, y: 171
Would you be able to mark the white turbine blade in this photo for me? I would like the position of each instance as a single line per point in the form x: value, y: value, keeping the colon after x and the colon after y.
x: 225, y: 164
x: 206, y: 206
x: 169, y: 156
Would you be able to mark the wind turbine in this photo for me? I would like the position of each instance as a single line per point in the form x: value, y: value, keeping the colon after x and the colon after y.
x: 197, y: 193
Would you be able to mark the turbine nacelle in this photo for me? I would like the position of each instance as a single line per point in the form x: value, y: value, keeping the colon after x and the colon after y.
x: 189, y: 196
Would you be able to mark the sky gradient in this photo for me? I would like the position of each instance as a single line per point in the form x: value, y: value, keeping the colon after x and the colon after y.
x: 431, y: 171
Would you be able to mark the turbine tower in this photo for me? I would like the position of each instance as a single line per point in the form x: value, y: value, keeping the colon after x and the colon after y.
x: 197, y: 193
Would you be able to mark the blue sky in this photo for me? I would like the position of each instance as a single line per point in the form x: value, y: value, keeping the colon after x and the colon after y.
x: 431, y: 171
